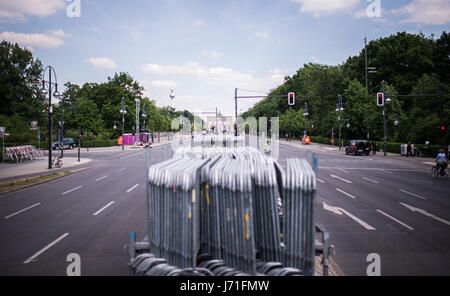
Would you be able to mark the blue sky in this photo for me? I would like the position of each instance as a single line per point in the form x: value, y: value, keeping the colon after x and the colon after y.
x: 205, y: 49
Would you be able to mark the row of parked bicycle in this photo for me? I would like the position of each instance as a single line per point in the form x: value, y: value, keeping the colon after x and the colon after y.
x: 22, y: 153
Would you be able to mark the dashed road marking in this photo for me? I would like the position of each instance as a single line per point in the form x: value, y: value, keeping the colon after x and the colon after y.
x: 132, y: 188
x: 101, y: 178
x: 32, y: 258
x: 370, y: 180
x: 412, y: 194
x: 21, y: 211
x: 104, y: 208
x: 396, y: 220
x: 343, y: 192
x: 72, y: 190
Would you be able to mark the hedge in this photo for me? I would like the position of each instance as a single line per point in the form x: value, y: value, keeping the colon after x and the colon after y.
x: 99, y: 143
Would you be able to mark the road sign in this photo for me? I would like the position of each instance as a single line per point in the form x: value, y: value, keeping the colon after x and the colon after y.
x: 2, y: 130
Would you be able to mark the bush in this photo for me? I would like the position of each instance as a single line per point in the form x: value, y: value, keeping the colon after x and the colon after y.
x: 99, y: 143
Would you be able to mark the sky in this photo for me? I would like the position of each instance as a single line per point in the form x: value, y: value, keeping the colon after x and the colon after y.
x: 205, y: 49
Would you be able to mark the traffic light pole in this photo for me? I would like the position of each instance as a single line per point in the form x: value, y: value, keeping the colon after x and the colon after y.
x: 384, y: 125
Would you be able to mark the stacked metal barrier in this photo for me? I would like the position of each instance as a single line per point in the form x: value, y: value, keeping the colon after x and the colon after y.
x: 298, y: 197
x: 22, y: 153
x: 230, y: 211
x: 173, y: 210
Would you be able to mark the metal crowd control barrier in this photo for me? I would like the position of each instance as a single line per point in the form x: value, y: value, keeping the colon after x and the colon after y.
x: 22, y: 153
x: 219, y: 211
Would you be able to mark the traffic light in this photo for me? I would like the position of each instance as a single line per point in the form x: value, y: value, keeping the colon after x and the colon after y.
x: 380, y: 99
x: 443, y: 128
x: 291, y: 99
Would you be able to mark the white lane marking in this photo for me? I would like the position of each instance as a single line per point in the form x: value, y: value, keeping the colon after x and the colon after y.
x: 390, y: 173
x: 321, y: 181
x: 132, y: 188
x: 342, y: 179
x: 340, y: 211
x: 425, y: 213
x: 32, y: 258
x: 21, y: 211
x: 344, y: 171
x: 396, y: 220
x: 72, y: 190
x: 343, y: 192
x: 412, y: 194
x: 104, y: 208
x: 428, y: 182
x: 101, y: 178
x: 121, y: 170
x: 370, y: 180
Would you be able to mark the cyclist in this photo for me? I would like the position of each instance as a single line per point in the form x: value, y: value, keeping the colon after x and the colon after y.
x: 441, y: 162
x: 267, y: 149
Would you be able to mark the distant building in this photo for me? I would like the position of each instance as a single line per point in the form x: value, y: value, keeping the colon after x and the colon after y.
x: 225, y: 123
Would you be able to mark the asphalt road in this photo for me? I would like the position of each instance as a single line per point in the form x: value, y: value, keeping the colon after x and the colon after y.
x: 368, y: 204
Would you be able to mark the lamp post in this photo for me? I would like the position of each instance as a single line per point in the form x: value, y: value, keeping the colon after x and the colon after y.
x: 123, y: 111
x: 339, y: 109
x: 306, y: 114
x: 47, y: 89
x: 387, y: 100
x: 144, y: 116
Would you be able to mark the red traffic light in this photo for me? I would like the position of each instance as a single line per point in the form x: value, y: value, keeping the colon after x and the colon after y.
x: 291, y: 99
x: 442, y: 128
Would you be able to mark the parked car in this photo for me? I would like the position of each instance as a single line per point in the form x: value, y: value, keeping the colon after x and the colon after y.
x: 67, y: 143
x: 358, y: 147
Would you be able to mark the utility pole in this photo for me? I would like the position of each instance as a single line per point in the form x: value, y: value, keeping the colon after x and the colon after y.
x: 367, y: 78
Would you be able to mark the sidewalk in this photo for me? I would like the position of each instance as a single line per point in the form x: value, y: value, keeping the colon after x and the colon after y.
x: 12, y: 171
x: 9, y: 171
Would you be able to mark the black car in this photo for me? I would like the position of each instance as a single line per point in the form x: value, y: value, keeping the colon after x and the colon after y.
x: 67, y: 143
x: 358, y: 147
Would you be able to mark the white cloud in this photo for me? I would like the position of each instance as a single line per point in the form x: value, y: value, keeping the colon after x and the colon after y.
x: 136, y: 31
x: 214, y: 75
x: 262, y: 35
x: 319, y: 7
x: 102, y: 63
x: 51, y: 39
x: 17, y: 10
x: 212, y: 54
x: 428, y: 12
x: 198, y: 23
x: 164, y: 84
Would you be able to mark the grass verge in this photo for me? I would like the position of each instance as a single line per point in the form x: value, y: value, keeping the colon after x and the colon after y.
x: 25, y: 182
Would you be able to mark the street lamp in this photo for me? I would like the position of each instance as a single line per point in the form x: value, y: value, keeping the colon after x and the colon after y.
x: 339, y: 109
x: 144, y: 115
x: 123, y: 111
x: 47, y: 89
x: 306, y: 114
x: 387, y: 100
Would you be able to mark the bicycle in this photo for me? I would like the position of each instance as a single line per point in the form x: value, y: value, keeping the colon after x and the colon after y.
x: 58, y: 163
x: 437, y: 171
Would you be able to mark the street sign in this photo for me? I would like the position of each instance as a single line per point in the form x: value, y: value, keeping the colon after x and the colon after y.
x: 2, y: 130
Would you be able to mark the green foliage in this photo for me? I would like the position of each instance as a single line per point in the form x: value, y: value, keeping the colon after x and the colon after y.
x: 411, y: 64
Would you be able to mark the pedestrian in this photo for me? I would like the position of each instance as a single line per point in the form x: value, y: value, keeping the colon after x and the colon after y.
x: 374, y: 147
x: 409, y: 149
